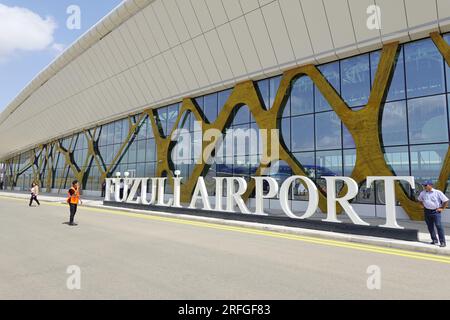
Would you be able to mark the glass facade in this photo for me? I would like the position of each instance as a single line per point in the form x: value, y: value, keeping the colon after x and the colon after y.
x: 414, y: 127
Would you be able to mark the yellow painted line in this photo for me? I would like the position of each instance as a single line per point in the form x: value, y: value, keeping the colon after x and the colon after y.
x: 307, y: 239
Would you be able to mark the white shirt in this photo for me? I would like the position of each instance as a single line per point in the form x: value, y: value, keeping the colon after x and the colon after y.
x: 433, y: 199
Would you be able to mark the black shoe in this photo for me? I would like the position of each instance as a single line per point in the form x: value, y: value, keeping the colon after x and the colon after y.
x: 434, y: 243
x: 443, y: 245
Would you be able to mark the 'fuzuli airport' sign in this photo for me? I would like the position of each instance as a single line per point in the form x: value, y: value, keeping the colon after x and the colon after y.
x: 134, y: 191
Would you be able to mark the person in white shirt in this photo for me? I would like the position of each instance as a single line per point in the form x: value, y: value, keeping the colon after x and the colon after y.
x: 34, y: 194
x: 434, y: 203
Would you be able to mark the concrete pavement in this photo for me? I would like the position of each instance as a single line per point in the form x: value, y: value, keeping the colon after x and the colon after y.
x: 421, y: 246
x: 127, y: 256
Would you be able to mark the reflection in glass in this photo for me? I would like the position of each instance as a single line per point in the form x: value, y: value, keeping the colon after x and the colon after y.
x: 142, y: 130
x: 172, y: 116
x: 150, y: 150
x: 308, y: 162
x: 355, y: 80
x: 210, y: 107
x: 118, y: 137
x: 394, y: 124
x: 349, y: 161
x: 347, y: 138
x: 141, y: 148
x: 424, y: 69
x: 286, y: 132
x: 242, y: 115
x: 222, y: 99
x: 329, y: 163
x: 447, y: 68
x: 263, y: 86
x: 328, y: 131
x: 274, y: 83
x: 302, y: 133
x: 397, y: 88
x: 302, y: 96
x: 331, y: 72
x: 398, y: 159
x: 426, y: 162
x: 280, y: 171
x: 428, y: 120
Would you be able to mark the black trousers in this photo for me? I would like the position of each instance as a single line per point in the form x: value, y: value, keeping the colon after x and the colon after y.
x: 73, y: 211
x: 34, y: 197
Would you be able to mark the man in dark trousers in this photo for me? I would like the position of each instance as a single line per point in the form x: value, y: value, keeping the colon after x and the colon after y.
x: 434, y: 203
x: 73, y: 200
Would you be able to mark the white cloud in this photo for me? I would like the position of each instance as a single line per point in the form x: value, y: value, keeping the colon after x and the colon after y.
x: 58, y: 48
x: 22, y: 29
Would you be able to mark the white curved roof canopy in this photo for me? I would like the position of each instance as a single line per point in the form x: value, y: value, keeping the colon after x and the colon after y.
x: 149, y: 53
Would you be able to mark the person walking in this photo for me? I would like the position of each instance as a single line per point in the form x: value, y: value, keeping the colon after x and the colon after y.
x: 434, y: 203
x: 103, y: 188
x: 34, y: 194
x: 73, y: 200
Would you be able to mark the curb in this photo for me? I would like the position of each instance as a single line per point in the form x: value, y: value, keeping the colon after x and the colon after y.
x: 380, y: 242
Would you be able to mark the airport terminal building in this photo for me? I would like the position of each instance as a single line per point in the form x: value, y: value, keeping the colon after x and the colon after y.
x: 355, y: 87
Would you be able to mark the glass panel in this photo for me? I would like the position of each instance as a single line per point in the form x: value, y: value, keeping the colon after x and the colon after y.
x: 132, y: 153
x: 200, y: 102
x: 263, y: 87
x: 274, y: 83
x: 161, y: 119
x: 308, y: 162
x: 428, y: 120
x: 125, y: 128
x: 241, y: 140
x: 302, y: 96
x: 142, y: 133
x: 302, y: 133
x: 394, y: 124
x: 280, y: 171
x: 347, y: 138
x: 110, y: 138
x: 328, y: 131
x: 397, y: 88
x: 223, y: 97
x: 210, y: 107
x: 141, y: 148
x: 286, y: 132
x: 255, y: 143
x: 149, y: 171
x: 172, y: 116
x: 331, y: 73
x: 225, y: 169
x: 328, y: 163
x: 356, y: 80
x: 426, y: 163
x: 242, y: 115
x: 447, y: 68
x: 349, y: 162
x: 398, y: 159
x: 241, y: 168
x: 118, y: 132
x: 424, y: 69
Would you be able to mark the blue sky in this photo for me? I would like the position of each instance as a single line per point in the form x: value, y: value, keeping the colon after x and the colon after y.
x: 35, y: 34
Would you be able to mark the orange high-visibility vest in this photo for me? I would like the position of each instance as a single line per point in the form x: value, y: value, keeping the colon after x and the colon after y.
x: 75, y: 198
